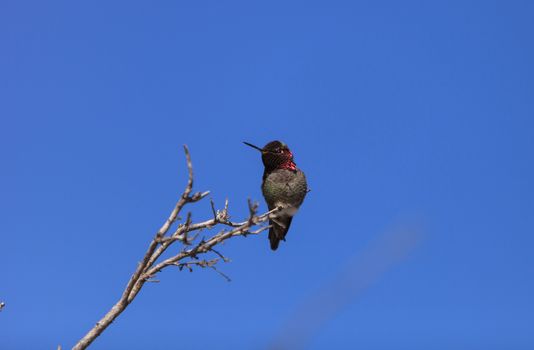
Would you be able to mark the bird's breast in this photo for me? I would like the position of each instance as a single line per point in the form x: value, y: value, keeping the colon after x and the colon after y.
x: 288, y: 187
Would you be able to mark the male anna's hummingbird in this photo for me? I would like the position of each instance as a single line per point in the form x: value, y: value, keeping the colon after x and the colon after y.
x: 284, y: 186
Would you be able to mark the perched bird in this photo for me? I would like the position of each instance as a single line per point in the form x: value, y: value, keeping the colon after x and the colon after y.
x: 284, y: 186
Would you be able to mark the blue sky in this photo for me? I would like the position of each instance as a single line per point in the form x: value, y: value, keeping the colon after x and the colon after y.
x: 400, y: 113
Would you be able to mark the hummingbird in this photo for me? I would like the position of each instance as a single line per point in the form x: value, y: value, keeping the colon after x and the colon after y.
x: 283, y: 186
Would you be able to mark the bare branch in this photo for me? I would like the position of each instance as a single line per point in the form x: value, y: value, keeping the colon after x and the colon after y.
x: 186, y: 233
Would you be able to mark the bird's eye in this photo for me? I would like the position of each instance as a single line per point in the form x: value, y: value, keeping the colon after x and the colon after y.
x: 279, y: 150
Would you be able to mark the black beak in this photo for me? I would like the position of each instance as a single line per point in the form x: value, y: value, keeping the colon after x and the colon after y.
x: 251, y: 145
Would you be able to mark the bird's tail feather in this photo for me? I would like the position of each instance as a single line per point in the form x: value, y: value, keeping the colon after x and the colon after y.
x: 278, y: 230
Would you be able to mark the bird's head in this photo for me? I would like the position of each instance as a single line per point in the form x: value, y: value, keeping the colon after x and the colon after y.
x: 275, y: 155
